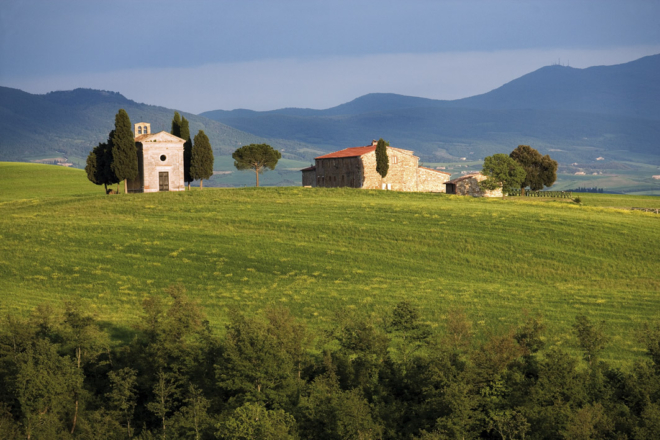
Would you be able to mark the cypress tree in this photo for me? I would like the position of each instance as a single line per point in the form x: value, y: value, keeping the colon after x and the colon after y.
x: 176, y: 125
x: 187, y: 151
x: 124, y: 153
x: 201, y: 158
x: 382, y: 161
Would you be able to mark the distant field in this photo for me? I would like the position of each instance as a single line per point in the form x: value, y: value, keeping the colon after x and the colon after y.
x: 318, y: 250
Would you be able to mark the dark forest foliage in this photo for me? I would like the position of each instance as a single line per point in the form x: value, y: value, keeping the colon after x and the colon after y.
x: 271, y: 377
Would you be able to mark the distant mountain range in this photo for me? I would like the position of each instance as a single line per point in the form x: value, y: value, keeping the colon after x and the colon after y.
x: 581, y: 111
x: 575, y: 114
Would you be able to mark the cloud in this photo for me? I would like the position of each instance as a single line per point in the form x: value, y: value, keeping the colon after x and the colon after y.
x: 326, y: 82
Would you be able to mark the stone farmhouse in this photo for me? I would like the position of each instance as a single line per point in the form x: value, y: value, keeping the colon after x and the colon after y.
x: 468, y: 185
x: 356, y: 168
x: 160, y: 161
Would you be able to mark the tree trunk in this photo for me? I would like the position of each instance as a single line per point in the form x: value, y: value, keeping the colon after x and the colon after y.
x: 75, y: 418
x: 201, y: 183
x: 257, y: 171
x: 522, y: 192
x: 188, y: 186
x: 125, y: 186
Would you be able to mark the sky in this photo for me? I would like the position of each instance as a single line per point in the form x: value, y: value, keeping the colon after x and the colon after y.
x: 195, y: 55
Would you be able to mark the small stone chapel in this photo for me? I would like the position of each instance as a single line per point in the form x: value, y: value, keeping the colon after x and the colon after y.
x: 160, y: 161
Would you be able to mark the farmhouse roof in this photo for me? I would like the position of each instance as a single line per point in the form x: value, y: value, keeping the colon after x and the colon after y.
x: 436, y: 171
x: 349, y: 152
x: 467, y: 176
x: 312, y: 168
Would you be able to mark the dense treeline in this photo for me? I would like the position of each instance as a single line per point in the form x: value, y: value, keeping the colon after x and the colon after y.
x: 271, y: 377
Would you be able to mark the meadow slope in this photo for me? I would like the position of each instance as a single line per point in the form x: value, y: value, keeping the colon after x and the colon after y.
x: 320, y: 250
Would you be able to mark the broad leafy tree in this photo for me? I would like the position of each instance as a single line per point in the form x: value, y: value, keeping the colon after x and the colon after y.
x: 256, y: 157
x: 124, y: 153
x: 382, y: 161
x: 502, y: 172
x: 540, y: 170
x: 201, y: 158
x: 99, y: 165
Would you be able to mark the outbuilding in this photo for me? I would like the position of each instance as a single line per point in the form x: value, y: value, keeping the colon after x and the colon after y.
x: 468, y: 185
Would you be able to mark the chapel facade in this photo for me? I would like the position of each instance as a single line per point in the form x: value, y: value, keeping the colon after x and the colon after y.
x: 160, y: 161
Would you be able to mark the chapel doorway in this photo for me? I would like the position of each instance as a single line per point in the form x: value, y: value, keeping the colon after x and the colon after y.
x: 163, y: 181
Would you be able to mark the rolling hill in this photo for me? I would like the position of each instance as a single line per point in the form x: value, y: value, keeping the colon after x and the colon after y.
x: 71, y: 123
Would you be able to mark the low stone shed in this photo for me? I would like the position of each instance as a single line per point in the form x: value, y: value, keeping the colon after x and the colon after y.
x: 356, y: 168
x: 468, y: 185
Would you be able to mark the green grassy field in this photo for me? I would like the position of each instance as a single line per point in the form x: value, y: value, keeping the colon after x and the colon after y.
x: 319, y: 250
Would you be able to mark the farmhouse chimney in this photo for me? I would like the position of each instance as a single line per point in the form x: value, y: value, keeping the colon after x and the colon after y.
x: 374, y: 143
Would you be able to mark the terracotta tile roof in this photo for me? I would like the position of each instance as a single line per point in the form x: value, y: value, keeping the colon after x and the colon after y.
x: 467, y: 176
x: 312, y: 168
x: 349, y: 152
x: 437, y: 171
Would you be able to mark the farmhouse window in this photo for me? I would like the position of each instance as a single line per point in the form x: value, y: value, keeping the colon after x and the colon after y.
x: 163, y: 158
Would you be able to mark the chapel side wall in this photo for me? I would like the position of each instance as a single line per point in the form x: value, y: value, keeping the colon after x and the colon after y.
x: 339, y: 172
x: 431, y: 181
x: 137, y: 185
x: 173, y: 165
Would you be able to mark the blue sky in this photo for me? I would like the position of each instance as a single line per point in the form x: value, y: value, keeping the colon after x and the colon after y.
x: 204, y: 55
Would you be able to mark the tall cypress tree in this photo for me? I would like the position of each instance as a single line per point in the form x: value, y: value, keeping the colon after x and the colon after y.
x: 382, y: 161
x: 187, y: 151
x: 201, y: 162
x: 176, y: 125
x: 124, y: 153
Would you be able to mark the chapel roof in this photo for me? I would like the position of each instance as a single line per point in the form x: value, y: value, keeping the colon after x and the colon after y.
x: 161, y: 136
x: 312, y: 168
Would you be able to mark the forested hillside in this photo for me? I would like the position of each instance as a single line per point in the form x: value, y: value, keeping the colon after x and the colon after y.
x: 71, y: 123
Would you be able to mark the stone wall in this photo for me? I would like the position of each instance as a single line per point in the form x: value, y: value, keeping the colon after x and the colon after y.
x: 469, y: 186
x: 429, y: 180
x: 309, y: 178
x: 401, y: 175
x: 339, y: 172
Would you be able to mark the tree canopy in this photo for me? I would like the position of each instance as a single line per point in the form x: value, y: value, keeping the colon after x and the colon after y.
x: 268, y: 376
x: 201, y: 158
x: 502, y: 172
x: 382, y: 161
x: 540, y: 170
x: 124, y: 153
x: 256, y: 157
x: 99, y: 165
